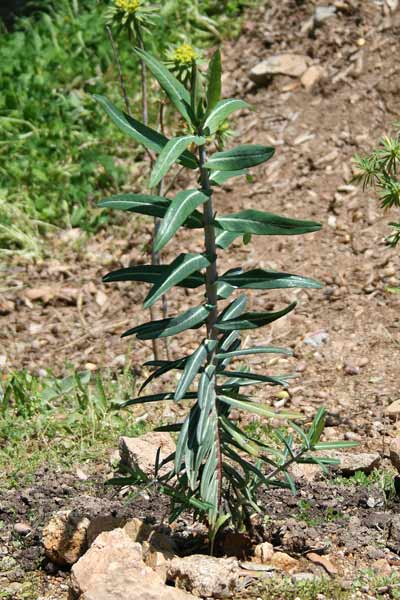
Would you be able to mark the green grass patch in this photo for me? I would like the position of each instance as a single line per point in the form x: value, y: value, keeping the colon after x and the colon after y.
x: 49, y: 421
x: 59, y: 153
x: 366, y: 583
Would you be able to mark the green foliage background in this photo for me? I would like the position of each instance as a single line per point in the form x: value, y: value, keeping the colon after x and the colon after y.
x: 56, y: 156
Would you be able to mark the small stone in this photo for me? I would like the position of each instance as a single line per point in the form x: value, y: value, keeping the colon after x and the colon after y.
x: 141, y: 451
x: 323, y: 12
x: 317, y: 339
x: 293, y: 65
x: 284, y: 562
x: 312, y: 76
x: 264, y: 552
x: 205, y: 576
x: 393, y: 410
x: 351, y: 369
x: 324, y: 562
x: 394, y: 452
x: 22, y: 528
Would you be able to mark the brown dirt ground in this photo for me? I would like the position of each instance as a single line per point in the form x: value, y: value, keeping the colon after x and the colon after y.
x: 56, y: 310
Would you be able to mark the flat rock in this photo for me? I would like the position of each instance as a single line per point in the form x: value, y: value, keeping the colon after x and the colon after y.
x: 285, y: 562
x: 293, y: 65
x: 113, y: 569
x: 350, y: 463
x: 141, y: 451
x: 205, y: 576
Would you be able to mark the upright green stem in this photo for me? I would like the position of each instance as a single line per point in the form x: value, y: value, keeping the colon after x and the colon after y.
x: 210, y: 246
x: 211, y: 291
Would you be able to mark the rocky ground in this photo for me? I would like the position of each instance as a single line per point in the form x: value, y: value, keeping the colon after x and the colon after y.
x: 333, y: 99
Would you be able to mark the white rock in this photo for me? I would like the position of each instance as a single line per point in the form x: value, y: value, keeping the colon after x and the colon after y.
x: 205, y: 576
x: 323, y: 12
x: 317, y: 339
x: 141, y: 451
x: 293, y: 65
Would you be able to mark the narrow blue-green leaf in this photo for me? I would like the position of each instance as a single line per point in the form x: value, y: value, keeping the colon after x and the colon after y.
x: 153, y: 206
x: 180, y: 269
x: 219, y: 177
x: 221, y: 112
x: 206, y: 398
x: 255, y: 350
x: 152, y: 274
x: 142, y: 134
x: 334, y: 445
x: 224, y: 290
x: 317, y: 427
x: 155, y: 398
x: 252, y: 376
x: 239, y: 436
x: 252, y: 407
x: 224, y: 239
x: 260, y: 279
x: 190, y: 319
x: 171, y: 428
x: 214, y: 76
x: 165, y: 368
x: 241, y: 157
x: 264, y: 223
x: 234, y: 309
x: 181, y: 207
x: 253, y: 320
x: 192, y: 366
x: 176, y: 92
x: 170, y: 154
x: 182, y: 442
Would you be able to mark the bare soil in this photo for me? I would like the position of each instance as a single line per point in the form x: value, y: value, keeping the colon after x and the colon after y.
x: 57, y: 311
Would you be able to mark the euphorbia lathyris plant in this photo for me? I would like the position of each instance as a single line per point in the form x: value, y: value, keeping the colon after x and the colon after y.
x: 217, y: 467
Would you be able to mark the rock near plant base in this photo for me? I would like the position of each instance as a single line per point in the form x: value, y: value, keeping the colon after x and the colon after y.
x: 113, y: 569
x: 205, y: 576
x: 141, y: 451
x: 69, y: 534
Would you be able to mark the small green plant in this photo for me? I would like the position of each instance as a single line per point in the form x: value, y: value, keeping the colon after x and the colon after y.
x: 217, y: 468
x: 380, y: 170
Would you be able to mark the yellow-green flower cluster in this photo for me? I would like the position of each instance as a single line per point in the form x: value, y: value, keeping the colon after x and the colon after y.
x: 128, y: 6
x: 184, y: 54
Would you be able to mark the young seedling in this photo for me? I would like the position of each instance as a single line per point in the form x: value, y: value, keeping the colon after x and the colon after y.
x: 217, y: 468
